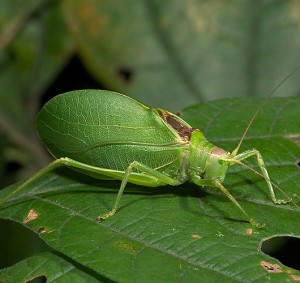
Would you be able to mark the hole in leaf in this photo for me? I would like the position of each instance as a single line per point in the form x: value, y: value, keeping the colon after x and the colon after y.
x: 125, y: 74
x: 298, y: 163
x: 40, y: 279
x: 20, y: 243
x: 285, y: 249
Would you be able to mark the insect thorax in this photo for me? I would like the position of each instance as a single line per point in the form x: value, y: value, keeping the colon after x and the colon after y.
x: 206, y: 160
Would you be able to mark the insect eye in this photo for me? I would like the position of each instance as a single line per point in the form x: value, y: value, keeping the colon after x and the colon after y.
x: 219, y: 152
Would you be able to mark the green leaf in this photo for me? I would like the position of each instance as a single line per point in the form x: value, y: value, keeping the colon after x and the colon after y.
x: 171, y: 234
x: 51, y: 266
x: 176, y: 53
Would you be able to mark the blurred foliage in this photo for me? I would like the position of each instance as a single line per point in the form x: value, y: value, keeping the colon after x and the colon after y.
x: 168, y: 54
x: 172, y: 54
x: 165, y: 54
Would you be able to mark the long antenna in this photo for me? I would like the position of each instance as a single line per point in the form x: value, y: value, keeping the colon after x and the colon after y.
x: 234, y: 153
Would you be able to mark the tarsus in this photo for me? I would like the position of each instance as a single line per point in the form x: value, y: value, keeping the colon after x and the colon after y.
x: 261, y: 175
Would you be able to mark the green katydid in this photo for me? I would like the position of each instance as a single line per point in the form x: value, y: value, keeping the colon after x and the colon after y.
x: 110, y: 136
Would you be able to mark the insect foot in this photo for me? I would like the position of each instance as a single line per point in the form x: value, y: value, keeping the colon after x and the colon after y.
x: 256, y: 224
x: 107, y: 214
x: 282, y: 201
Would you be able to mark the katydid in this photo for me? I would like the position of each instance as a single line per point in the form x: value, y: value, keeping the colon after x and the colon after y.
x: 110, y: 136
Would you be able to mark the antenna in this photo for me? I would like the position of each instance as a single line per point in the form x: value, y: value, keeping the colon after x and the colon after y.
x: 235, y: 151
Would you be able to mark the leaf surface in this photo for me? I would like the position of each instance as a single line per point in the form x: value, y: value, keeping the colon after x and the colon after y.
x: 178, y: 234
x: 51, y: 266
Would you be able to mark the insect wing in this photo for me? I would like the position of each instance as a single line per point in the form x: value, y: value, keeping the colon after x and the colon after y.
x: 106, y: 129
